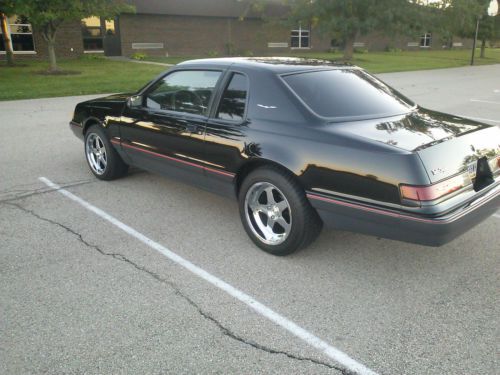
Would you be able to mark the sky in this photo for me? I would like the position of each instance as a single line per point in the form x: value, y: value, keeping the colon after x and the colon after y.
x: 492, y: 10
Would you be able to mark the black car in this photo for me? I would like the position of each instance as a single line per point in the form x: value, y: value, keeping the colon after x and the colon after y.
x: 300, y: 143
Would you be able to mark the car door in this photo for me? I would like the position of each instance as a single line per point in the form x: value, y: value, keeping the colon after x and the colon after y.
x: 165, y: 133
x: 226, y: 133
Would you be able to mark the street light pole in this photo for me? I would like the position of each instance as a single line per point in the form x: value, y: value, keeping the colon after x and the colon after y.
x: 475, y: 41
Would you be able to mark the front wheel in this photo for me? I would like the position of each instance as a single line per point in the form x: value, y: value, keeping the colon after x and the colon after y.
x: 275, y: 212
x: 102, y: 158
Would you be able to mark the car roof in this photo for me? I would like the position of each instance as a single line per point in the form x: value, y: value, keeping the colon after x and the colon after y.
x: 279, y: 65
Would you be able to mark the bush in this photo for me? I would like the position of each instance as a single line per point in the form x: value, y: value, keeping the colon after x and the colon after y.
x: 92, y: 56
x: 213, y: 53
x: 247, y: 53
x: 138, y: 56
x: 392, y: 49
x: 230, y: 49
x: 360, y: 50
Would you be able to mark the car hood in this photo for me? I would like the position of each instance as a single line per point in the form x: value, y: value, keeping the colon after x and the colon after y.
x: 115, y: 98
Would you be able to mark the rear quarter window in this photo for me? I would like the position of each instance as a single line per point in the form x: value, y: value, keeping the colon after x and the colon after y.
x: 233, y: 102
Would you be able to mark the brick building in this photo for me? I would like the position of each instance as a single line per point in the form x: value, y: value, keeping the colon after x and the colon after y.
x: 193, y: 27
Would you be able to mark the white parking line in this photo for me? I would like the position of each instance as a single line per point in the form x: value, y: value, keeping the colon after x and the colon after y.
x: 497, y: 216
x: 479, y: 118
x: 337, y: 355
x: 484, y: 101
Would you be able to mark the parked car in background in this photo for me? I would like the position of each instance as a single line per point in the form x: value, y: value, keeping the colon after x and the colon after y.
x: 300, y: 143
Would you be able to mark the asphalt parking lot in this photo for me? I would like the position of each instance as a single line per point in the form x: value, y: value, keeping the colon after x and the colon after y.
x: 79, y: 294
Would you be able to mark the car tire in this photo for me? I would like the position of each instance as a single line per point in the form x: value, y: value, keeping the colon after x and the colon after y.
x: 102, y: 158
x: 276, y: 213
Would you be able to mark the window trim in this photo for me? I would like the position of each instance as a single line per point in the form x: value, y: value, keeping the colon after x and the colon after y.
x: 30, y: 52
x: 227, y: 81
x: 427, y: 39
x: 19, y: 52
x: 300, y: 30
x: 178, y: 114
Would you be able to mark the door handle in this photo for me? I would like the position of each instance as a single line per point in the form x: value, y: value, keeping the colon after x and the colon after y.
x: 189, y: 127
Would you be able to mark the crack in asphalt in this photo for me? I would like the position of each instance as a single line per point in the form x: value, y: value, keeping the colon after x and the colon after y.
x: 43, y: 190
x: 224, y: 330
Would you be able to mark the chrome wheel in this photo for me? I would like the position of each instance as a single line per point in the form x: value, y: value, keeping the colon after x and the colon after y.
x: 268, y: 213
x: 96, y: 153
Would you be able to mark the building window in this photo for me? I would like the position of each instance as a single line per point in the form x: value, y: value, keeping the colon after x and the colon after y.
x: 94, y: 29
x: 426, y: 40
x: 92, y: 34
x: 300, y: 38
x: 21, y: 35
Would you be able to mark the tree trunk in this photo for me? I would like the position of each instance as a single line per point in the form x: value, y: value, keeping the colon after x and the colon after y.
x: 483, y: 49
x: 48, y: 32
x: 6, y: 40
x: 52, y: 55
x: 349, y: 47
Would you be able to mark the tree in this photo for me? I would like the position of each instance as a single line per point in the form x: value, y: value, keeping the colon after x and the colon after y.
x: 489, y: 29
x: 6, y: 9
x: 46, y: 16
x: 347, y: 19
x: 458, y: 17
x: 486, y: 32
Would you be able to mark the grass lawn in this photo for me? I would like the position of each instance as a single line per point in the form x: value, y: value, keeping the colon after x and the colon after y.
x: 105, y: 76
x: 97, y: 76
x: 384, y: 62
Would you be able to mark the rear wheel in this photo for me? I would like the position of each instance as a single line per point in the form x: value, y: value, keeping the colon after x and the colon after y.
x: 276, y: 213
x: 102, y: 158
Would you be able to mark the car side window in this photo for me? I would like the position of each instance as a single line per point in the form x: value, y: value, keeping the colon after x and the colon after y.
x: 187, y: 91
x: 234, y: 99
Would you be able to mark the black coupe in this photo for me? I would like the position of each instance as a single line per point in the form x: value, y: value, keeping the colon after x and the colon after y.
x: 301, y: 143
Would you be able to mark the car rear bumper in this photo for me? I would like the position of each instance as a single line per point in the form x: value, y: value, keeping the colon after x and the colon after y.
x: 399, y: 225
x: 77, y: 129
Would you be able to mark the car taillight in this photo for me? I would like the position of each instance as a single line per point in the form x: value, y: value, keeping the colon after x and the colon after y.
x: 432, y: 192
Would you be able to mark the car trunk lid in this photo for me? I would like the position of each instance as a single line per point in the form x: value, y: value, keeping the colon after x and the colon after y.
x: 446, y: 144
x: 461, y: 154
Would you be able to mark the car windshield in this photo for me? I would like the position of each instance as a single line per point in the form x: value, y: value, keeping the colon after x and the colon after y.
x: 343, y: 94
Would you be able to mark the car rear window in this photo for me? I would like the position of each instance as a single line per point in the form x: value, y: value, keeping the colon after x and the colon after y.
x: 347, y: 94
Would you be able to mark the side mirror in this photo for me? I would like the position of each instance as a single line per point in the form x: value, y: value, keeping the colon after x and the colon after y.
x: 134, y: 101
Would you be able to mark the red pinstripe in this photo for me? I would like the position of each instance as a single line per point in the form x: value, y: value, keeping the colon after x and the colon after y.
x: 223, y: 173
x: 396, y: 215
